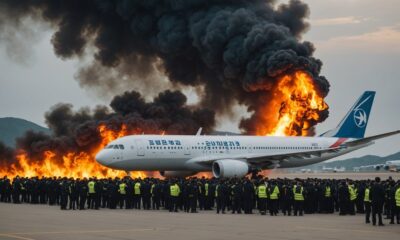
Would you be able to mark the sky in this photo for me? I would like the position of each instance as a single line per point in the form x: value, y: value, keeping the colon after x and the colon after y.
x: 357, y: 40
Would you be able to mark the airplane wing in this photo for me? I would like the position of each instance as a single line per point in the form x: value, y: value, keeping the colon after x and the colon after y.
x: 267, y: 158
x: 367, y: 140
x: 276, y: 158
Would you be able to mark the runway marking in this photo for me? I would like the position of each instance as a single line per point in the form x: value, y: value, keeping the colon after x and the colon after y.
x: 79, y: 232
x: 350, y: 230
x: 14, y: 236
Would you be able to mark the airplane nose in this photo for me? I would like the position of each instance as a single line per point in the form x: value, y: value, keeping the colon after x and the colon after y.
x: 102, y: 158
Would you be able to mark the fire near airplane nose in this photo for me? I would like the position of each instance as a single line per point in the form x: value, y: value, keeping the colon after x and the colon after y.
x: 102, y: 158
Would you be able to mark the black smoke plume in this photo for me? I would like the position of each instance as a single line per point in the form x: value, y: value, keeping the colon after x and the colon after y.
x: 6, y: 155
x: 79, y: 131
x: 234, y: 50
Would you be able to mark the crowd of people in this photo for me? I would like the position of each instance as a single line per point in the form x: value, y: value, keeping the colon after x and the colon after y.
x: 373, y: 198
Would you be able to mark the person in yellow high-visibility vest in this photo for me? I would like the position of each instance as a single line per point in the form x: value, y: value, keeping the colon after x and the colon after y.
x: 353, y: 197
x: 397, y: 200
x: 91, y: 193
x: 298, y: 193
x: 273, y: 196
x: 122, y: 194
x: 367, y: 204
x: 174, y: 191
x: 207, y: 196
x: 327, y: 204
x: 136, y: 194
x: 262, y: 196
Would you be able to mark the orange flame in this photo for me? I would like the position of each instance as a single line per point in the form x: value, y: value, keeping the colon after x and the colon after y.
x: 294, y: 105
x: 73, y: 164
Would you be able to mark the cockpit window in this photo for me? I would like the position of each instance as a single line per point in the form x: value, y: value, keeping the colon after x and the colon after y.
x: 121, y: 146
x: 109, y: 146
x: 116, y: 147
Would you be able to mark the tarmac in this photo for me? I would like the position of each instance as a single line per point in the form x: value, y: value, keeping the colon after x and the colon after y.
x: 43, y: 222
x: 337, y: 175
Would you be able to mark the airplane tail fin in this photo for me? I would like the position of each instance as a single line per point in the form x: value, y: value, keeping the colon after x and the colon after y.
x: 355, y: 122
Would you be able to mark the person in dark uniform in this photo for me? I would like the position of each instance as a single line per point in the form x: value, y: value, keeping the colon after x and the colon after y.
x: 221, y: 194
x: 73, y: 194
x: 146, y: 195
x: 113, y: 194
x: 64, y: 190
x: 377, y: 194
x: 16, y: 190
x: 343, y: 198
x: 392, y: 201
x: 129, y: 193
x: 287, y: 199
x: 185, y: 196
x: 248, y: 196
x: 83, y: 191
x: 193, y: 196
x: 237, y: 194
x: 104, y: 197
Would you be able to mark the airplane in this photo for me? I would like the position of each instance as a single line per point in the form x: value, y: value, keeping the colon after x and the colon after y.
x: 334, y: 170
x: 237, y: 156
x: 392, y: 166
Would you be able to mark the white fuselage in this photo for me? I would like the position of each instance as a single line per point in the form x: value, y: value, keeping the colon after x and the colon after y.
x: 178, y: 152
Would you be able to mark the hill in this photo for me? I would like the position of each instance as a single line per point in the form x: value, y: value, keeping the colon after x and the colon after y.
x: 12, y: 128
x: 350, y: 163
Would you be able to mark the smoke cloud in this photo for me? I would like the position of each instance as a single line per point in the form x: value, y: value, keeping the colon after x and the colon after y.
x: 234, y: 49
x: 79, y: 131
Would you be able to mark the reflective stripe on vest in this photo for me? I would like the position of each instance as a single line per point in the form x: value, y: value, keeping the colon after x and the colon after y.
x: 397, y: 197
x: 366, y: 195
x: 91, y: 187
x: 298, y: 196
x: 353, y: 193
x: 122, y: 188
x: 274, y: 194
x: 137, y: 188
x: 328, y: 192
x: 262, y: 191
x: 174, y: 190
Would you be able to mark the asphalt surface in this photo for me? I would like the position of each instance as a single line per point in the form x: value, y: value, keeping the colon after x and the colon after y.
x: 34, y: 222
x: 337, y: 175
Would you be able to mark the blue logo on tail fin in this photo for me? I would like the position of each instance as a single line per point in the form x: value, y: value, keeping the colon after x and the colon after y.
x: 356, y: 120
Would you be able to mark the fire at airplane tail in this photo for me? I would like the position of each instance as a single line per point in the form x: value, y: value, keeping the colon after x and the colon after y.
x: 296, y: 106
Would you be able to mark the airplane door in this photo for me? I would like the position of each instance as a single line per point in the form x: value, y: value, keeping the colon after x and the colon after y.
x: 139, y: 147
x: 250, y: 149
x: 187, y: 150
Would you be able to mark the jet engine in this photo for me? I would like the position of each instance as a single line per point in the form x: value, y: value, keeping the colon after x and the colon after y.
x: 227, y: 168
x: 172, y: 174
x: 386, y: 167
